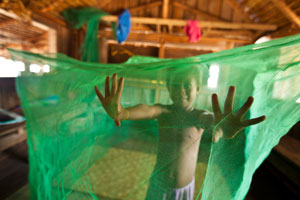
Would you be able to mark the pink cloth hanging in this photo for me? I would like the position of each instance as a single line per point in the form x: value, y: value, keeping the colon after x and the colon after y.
x: 193, y: 31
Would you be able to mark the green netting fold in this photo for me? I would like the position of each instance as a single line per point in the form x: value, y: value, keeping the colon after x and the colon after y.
x: 77, y: 152
x: 77, y: 18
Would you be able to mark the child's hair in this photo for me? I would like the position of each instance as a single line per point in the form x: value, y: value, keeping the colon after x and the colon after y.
x: 197, y: 71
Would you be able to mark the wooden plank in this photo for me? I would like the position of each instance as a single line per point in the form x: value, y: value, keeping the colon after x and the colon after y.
x: 213, y: 7
x: 203, y: 24
x: 168, y: 38
x: 202, y: 5
x: 7, y: 22
x: 252, y: 4
x: 290, y: 14
x: 237, y: 8
x: 213, y: 48
x: 103, y: 3
x: 12, y: 139
x: 246, y: 35
x: 262, y: 6
x: 201, y: 14
x: 188, y: 14
x: 226, y: 12
x: 285, y: 31
x: 272, y: 15
x: 218, y: 7
x: 13, y: 128
x: 177, y: 13
x: 52, y: 18
x: 144, y: 6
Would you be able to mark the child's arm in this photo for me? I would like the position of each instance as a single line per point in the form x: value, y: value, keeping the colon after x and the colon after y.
x: 229, y: 124
x: 112, y: 104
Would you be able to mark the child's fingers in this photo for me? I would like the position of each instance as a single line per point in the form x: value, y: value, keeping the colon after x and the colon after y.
x: 100, y: 96
x: 216, y: 107
x: 114, y: 84
x: 253, y: 121
x: 229, y: 100
x: 117, y: 122
x: 217, y: 136
x: 120, y: 88
x: 107, y: 93
x: 244, y: 109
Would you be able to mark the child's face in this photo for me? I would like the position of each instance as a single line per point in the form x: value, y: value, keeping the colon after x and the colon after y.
x: 183, y: 90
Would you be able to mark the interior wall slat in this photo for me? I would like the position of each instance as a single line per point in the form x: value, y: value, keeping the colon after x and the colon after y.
x: 213, y: 7
x: 226, y: 11
x: 187, y: 14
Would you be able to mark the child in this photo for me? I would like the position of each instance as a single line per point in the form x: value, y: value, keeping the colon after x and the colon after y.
x: 180, y: 129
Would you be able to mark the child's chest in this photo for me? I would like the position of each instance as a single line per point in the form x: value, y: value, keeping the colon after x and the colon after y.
x: 179, y: 119
x: 180, y: 126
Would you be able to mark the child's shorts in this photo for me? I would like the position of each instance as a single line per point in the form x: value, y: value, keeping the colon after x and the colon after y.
x: 155, y: 192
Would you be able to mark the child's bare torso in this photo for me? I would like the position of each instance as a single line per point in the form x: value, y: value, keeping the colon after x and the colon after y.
x: 179, y: 139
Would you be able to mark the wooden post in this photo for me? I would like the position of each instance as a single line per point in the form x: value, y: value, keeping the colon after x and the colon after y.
x: 165, y: 10
x: 103, y: 46
x: 161, y: 51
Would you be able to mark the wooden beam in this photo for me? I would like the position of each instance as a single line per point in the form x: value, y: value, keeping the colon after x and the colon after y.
x: 202, y: 24
x: 289, y: 13
x: 165, y: 9
x: 168, y: 38
x: 237, y: 7
x: 213, y: 48
x: 144, y: 6
x: 197, y: 12
x: 230, y: 34
x: 242, y: 35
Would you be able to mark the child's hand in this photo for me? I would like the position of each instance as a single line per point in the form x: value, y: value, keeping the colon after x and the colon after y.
x: 112, y: 100
x: 230, y: 123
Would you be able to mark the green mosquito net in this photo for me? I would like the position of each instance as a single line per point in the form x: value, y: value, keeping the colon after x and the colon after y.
x: 77, y: 152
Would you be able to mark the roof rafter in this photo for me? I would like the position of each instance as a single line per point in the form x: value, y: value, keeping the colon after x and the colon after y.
x: 289, y: 13
x: 165, y: 9
x: 102, y: 3
x: 144, y: 6
x: 197, y: 12
x: 237, y: 7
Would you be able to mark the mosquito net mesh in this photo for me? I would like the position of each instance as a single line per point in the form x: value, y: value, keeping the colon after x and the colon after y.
x: 77, y: 152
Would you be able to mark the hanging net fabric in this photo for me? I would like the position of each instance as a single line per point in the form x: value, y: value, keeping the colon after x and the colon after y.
x: 77, y: 152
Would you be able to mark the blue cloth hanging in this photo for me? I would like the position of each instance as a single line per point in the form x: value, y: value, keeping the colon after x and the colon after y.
x: 123, y: 27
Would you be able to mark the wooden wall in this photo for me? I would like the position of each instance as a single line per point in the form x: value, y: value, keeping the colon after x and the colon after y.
x: 68, y: 42
x: 8, y: 95
x: 68, y: 39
